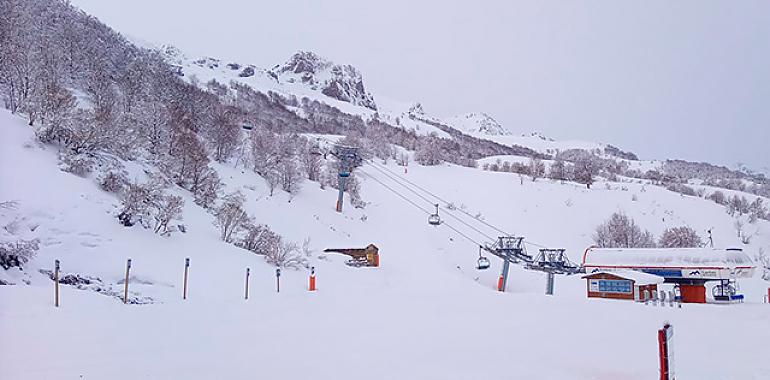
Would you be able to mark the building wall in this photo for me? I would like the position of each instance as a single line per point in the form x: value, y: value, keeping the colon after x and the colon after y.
x: 594, y: 293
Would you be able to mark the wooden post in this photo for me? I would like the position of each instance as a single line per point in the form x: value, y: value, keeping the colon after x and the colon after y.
x: 247, y: 283
x: 186, y: 267
x: 56, y: 281
x: 125, y: 288
x: 277, y: 280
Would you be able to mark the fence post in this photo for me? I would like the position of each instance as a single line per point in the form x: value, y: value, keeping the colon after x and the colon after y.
x: 247, y: 283
x: 186, y: 267
x: 56, y: 281
x: 125, y: 288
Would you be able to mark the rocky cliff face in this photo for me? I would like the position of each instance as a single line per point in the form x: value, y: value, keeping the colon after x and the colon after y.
x: 478, y: 123
x: 341, y: 82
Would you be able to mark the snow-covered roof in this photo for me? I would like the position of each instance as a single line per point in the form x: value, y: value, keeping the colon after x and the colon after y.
x: 636, y: 276
x: 667, y: 257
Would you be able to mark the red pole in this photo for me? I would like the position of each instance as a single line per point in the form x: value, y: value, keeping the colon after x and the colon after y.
x: 662, y: 354
x: 311, y: 286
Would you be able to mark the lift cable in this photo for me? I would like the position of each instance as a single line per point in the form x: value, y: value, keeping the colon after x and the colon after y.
x: 394, y: 174
x: 443, y: 200
x: 418, y: 206
x: 396, y: 180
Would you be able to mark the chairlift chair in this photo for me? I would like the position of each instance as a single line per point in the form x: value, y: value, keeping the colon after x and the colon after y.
x: 434, y: 219
x: 483, y: 262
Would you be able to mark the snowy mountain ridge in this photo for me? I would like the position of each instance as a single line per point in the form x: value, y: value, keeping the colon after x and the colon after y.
x: 478, y: 123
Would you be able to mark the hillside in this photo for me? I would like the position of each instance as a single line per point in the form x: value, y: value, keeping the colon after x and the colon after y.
x: 121, y: 152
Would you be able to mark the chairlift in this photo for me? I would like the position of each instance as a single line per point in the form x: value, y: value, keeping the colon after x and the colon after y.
x: 483, y: 262
x: 434, y: 219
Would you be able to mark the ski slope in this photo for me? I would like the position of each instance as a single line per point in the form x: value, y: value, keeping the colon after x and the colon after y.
x: 426, y: 313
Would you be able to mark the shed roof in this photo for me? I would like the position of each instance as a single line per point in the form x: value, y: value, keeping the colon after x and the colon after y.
x: 640, y: 278
x: 667, y: 257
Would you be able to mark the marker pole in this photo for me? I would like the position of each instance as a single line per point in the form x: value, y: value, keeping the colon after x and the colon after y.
x: 247, y: 283
x: 125, y: 288
x: 186, y: 268
x: 56, y: 281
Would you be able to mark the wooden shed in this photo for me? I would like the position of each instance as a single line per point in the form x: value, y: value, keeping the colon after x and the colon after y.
x: 624, y: 285
x: 369, y: 256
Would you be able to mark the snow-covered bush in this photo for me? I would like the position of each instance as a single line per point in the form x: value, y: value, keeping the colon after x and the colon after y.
x: 113, y: 181
x: 78, y: 164
x: 287, y: 255
x: 259, y: 238
x: 17, y: 253
x: 680, y: 237
x: 718, y: 197
x: 150, y: 206
x: 620, y: 231
x: 681, y: 189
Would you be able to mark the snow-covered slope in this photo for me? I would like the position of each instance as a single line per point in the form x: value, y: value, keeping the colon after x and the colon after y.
x: 425, y: 313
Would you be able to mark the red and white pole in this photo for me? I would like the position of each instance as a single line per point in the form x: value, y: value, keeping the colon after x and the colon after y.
x: 666, y: 352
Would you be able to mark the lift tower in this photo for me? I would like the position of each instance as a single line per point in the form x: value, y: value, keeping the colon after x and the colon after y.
x: 347, y: 159
x: 510, y: 249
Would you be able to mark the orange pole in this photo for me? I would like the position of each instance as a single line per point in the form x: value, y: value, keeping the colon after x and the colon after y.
x: 500, y: 283
x: 311, y: 286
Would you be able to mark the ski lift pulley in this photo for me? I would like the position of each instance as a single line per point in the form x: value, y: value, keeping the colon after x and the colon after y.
x: 434, y: 219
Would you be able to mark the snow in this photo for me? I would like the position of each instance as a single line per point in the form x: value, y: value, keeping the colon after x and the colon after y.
x: 425, y: 313
x: 669, y: 257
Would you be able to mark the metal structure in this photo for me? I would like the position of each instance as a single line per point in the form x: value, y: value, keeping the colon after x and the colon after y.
x: 348, y: 159
x: 553, y: 261
x: 511, y: 250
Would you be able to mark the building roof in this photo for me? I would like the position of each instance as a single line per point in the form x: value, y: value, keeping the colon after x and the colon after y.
x: 666, y: 257
x: 640, y: 278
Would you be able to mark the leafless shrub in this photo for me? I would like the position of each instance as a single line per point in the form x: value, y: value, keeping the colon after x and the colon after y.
x: 620, y: 231
x: 231, y: 216
x: 680, y: 237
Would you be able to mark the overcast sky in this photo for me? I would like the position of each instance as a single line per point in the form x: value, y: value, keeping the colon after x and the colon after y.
x: 665, y: 79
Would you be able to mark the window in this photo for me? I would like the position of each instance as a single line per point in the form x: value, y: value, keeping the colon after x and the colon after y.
x: 615, y: 286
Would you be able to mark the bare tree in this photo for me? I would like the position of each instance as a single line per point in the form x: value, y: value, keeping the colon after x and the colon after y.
x: 286, y: 255
x: 310, y: 159
x: 557, y: 171
x: 620, y: 231
x: 680, y: 237
x: 586, y: 169
x: 536, y: 168
x: 290, y: 176
x: 231, y: 216
x: 428, y: 151
x: 166, y: 208
x: 259, y: 238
